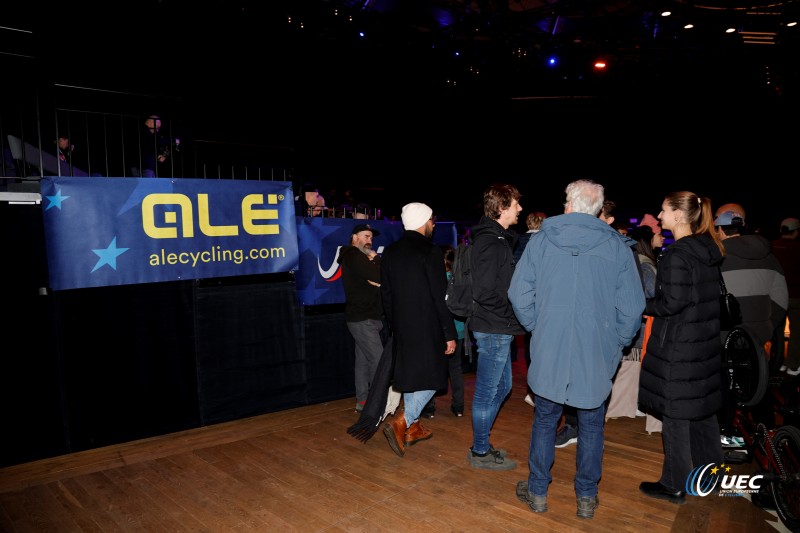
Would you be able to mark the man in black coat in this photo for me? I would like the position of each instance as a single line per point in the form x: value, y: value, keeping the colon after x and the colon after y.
x: 413, y: 286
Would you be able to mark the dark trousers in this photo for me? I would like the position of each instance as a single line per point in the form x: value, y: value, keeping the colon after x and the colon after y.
x: 456, y: 381
x: 688, y: 444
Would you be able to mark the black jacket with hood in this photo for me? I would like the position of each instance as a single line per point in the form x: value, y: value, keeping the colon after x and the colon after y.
x: 492, y: 268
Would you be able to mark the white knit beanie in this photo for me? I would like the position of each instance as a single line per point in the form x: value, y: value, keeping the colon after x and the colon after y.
x: 415, y: 215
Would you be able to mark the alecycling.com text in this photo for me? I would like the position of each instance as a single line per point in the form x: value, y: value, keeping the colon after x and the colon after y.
x: 215, y: 255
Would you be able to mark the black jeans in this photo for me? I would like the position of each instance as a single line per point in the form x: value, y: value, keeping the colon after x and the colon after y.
x: 688, y: 444
x: 456, y: 382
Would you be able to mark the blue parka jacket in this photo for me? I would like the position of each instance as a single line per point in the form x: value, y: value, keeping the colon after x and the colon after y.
x: 577, y: 290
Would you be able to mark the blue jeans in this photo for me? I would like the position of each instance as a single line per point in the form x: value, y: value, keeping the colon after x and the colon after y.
x: 414, y: 402
x: 591, y: 428
x: 492, y: 385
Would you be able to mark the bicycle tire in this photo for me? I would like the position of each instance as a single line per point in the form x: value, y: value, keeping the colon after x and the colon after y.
x: 747, y: 365
x: 785, y: 487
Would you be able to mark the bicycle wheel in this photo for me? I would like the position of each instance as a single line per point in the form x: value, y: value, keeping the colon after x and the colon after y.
x: 746, y: 365
x: 786, y: 487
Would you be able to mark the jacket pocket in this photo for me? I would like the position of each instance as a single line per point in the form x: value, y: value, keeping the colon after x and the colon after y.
x: 662, y: 338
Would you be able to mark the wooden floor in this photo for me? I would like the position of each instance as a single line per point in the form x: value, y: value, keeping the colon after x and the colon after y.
x: 298, y: 470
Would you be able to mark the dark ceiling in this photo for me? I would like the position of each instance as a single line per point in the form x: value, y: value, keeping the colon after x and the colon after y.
x: 508, y: 45
x: 503, y: 46
x: 416, y: 95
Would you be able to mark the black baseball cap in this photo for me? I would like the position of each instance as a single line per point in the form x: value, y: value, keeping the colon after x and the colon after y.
x: 365, y: 227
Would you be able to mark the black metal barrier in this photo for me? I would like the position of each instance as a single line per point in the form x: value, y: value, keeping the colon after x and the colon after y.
x: 87, y: 368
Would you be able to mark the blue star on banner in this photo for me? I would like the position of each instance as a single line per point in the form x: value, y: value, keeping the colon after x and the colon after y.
x: 55, y: 201
x: 108, y: 256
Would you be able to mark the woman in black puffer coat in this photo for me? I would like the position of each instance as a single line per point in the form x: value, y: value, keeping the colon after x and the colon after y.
x: 680, y: 378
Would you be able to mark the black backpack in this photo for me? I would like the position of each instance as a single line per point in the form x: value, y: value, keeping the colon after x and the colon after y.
x: 459, y: 288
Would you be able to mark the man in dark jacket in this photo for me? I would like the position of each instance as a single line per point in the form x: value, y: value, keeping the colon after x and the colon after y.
x: 577, y: 289
x: 363, y: 310
x: 154, y: 148
x: 753, y: 275
x: 756, y: 278
x: 493, y: 322
x: 413, y: 286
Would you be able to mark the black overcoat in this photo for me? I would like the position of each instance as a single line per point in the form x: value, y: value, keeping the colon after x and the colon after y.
x: 413, y: 285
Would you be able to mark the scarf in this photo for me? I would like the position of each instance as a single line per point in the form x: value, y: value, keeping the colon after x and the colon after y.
x: 382, y: 399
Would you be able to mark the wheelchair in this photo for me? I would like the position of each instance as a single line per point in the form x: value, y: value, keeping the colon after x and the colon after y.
x: 763, y: 421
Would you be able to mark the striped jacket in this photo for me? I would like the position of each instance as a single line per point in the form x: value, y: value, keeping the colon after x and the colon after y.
x: 754, y: 275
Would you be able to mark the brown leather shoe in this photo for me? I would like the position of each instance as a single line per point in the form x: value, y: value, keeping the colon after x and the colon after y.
x: 395, y: 431
x: 416, y: 433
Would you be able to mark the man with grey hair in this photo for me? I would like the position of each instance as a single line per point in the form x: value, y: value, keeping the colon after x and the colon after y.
x: 577, y: 290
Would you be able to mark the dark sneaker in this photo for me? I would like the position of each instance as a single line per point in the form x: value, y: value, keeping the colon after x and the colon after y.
x: 587, y: 505
x: 538, y: 504
x: 501, y: 452
x: 491, y: 460
x: 360, y: 406
x: 458, y: 411
x: 568, y: 435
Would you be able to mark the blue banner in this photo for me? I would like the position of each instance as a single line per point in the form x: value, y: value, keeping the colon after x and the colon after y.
x: 119, y: 231
x: 320, y: 239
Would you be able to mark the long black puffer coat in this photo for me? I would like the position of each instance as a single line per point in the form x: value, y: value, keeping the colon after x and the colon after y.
x: 680, y: 375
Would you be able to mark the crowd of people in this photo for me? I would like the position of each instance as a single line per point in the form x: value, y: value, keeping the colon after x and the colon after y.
x: 586, y: 293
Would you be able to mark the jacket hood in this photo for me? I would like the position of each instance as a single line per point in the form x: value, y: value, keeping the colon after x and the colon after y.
x: 579, y: 232
x: 747, y: 246
x: 702, y: 247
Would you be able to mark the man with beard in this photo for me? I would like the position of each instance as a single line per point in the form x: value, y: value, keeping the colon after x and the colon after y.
x: 361, y: 275
x: 413, y: 286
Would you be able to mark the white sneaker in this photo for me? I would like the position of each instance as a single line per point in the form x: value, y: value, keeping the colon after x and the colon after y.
x: 794, y: 372
x: 783, y: 368
x: 529, y: 400
x: 639, y: 413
